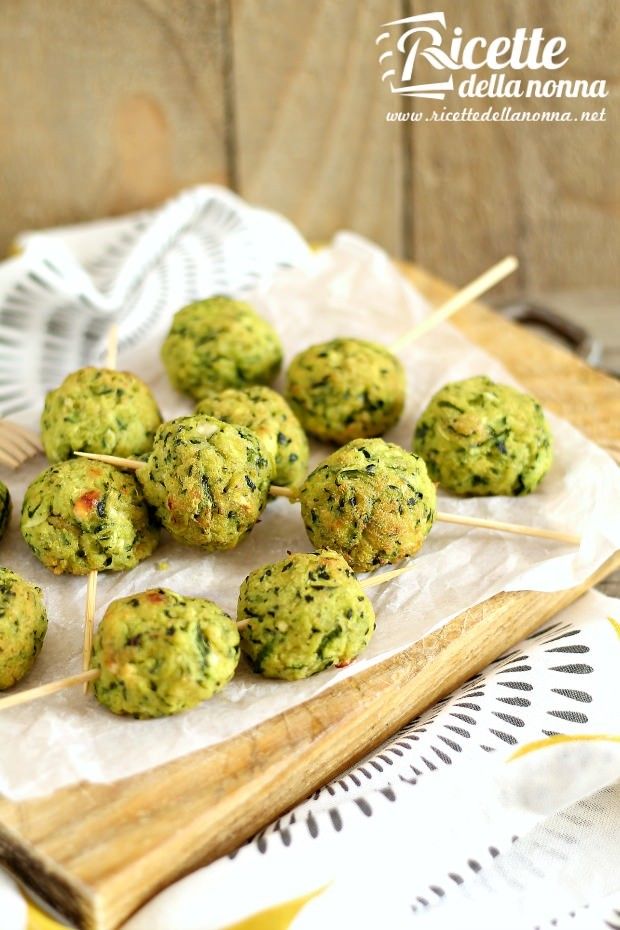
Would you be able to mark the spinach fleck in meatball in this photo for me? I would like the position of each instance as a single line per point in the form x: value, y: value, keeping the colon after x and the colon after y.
x: 80, y: 516
x: 207, y: 480
x: 160, y: 653
x: 218, y: 343
x: 372, y: 501
x: 481, y: 438
x: 346, y: 389
x: 23, y: 625
x: 99, y: 410
x: 267, y: 414
x: 304, y: 614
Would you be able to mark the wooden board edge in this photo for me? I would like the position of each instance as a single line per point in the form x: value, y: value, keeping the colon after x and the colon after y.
x: 106, y: 905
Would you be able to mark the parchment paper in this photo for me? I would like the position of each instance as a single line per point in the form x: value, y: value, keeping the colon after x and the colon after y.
x: 350, y: 288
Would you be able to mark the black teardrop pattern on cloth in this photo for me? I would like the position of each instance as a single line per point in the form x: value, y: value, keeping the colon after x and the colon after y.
x: 542, y: 687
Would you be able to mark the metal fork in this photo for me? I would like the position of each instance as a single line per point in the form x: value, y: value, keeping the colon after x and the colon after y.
x: 17, y: 444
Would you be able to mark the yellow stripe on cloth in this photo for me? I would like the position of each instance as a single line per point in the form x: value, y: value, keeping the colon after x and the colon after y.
x: 615, y: 624
x: 279, y: 917
x: 37, y: 920
x: 555, y: 740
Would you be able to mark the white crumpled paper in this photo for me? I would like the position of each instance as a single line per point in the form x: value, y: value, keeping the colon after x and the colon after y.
x: 350, y: 288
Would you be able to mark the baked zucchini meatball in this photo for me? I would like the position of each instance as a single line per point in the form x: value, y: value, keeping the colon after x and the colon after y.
x: 481, y: 438
x: 304, y: 614
x: 267, y: 414
x: 160, y: 653
x: 79, y: 516
x: 207, y: 480
x: 23, y: 625
x: 372, y: 501
x: 346, y: 389
x: 218, y: 343
x: 99, y: 410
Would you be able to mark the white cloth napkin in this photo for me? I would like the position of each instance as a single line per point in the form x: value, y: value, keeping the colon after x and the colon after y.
x: 59, y: 297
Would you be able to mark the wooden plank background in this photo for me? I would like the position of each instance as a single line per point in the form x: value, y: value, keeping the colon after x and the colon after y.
x: 110, y: 105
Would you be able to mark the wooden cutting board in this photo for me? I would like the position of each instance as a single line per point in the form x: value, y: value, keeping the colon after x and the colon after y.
x: 97, y: 852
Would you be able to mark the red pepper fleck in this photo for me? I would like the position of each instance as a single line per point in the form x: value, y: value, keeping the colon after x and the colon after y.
x: 155, y: 597
x: 170, y: 503
x: 344, y: 663
x: 85, y: 504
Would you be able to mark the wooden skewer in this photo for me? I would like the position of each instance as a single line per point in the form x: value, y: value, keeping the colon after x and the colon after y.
x: 293, y: 495
x: 441, y: 517
x: 465, y: 296
x: 91, y: 587
x: 86, y: 677
x: 91, y: 674
x: 52, y: 687
x: 112, y: 346
x: 132, y: 464
x: 516, y: 528
x: 386, y: 576
x: 89, y: 624
x: 366, y: 583
x: 278, y: 491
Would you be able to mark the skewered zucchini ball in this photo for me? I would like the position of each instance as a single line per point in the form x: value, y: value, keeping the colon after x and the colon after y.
x: 481, y: 438
x: 159, y: 653
x: 23, y: 625
x: 5, y: 508
x: 372, y: 501
x: 79, y: 516
x: 218, y: 343
x: 207, y: 480
x: 306, y: 613
x: 99, y: 410
x: 267, y: 414
x: 346, y: 389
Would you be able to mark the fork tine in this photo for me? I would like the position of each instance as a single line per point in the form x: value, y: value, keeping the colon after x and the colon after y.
x: 12, y: 442
x: 6, y: 460
x: 27, y: 434
x: 17, y: 444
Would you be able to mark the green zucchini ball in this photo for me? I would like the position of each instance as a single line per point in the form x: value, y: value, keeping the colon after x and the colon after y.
x: 346, y: 389
x: 372, y: 501
x: 267, y: 414
x: 23, y: 625
x: 219, y: 343
x: 99, y: 410
x: 80, y: 516
x: 160, y: 653
x: 207, y: 480
x: 305, y: 614
x: 481, y: 438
